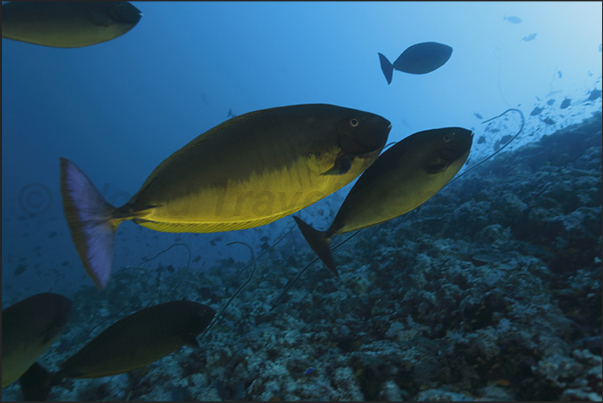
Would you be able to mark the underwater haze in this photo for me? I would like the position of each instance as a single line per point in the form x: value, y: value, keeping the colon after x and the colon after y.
x: 489, y: 291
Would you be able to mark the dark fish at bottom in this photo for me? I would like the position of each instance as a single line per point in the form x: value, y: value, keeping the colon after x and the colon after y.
x: 29, y: 328
x: 403, y: 177
x: 132, y: 342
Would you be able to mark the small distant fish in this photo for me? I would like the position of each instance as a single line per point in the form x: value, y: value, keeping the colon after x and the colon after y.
x: 65, y: 263
x: 566, y: 102
x: 528, y: 38
x: 130, y: 343
x: 404, y: 177
x: 67, y: 24
x: 230, y: 114
x: 421, y: 58
x: 536, y: 111
x: 512, y: 19
x: 29, y: 328
x: 594, y: 94
x: 52, y: 234
x: 550, y: 102
x: 549, y: 121
x: 264, y: 239
x: 559, y: 74
x: 477, y: 115
x: 20, y: 269
x: 196, y: 259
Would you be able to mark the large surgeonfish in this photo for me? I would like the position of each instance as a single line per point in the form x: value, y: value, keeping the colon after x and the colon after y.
x: 67, y: 24
x: 421, y: 58
x: 403, y: 177
x: 29, y: 328
x: 246, y: 172
x: 130, y: 343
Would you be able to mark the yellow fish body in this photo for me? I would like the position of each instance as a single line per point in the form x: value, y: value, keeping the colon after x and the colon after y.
x: 246, y: 172
x: 29, y: 328
x: 401, y: 179
x: 67, y: 24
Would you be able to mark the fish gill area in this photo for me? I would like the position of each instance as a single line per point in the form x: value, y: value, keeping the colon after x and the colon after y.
x: 489, y: 291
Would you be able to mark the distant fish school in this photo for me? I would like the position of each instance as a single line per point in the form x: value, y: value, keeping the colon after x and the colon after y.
x: 246, y: 172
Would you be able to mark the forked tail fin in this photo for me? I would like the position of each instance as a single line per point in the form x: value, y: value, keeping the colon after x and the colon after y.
x: 91, y: 222
x: 319, y: 242
x: 36, y: 383
x: 387, y: 67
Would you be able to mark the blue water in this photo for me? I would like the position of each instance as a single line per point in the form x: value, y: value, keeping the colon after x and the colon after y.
x: 117, y: 109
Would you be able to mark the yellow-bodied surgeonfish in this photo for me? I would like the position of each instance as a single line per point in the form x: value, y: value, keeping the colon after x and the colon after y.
x: 130, y: 343
x: 401, y: 179
x: 246, y: 172
x: 29, y: 328
x: 67, y: 24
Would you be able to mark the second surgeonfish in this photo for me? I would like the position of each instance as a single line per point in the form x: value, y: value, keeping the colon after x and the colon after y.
x: 246, y: 172
x: 421, y: 58
x: 67, y: 24
x: 29, y: 328
x: 130, y: 343
x: 403, y: 177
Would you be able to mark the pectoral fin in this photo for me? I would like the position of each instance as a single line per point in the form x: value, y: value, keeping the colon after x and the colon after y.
x: 341, y: 167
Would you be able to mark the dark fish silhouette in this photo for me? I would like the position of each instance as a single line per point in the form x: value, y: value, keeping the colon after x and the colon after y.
x: 421, y: 58
x: 566, y: 103
x: 29, y: 328
x: 594, y: 94
x: 230, y: 114
x: 67, y: 24
x: 477, y: 115
x: 130, y: 343
x: 512, y: 19
x: 548, y: 121
x: 405, y: 176
x: 528, y: 38
x: 246, y: 172
x: 536, y: 111
x: 550, y: 102
x: 20, y: 269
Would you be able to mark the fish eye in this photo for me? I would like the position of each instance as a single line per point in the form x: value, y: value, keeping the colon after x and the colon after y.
x: 446, y: 138
x: 354, y: 122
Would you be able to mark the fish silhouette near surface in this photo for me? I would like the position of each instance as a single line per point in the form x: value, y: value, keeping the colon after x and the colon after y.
x: 67, y: 24
x: 130, y: 343
x: 421, y: 58
x: 528, y: 38
x: 246, y: 172
x: 565, y: 104
x: 513, y: 19
x: 29, y: 328
x: 405, y: 176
